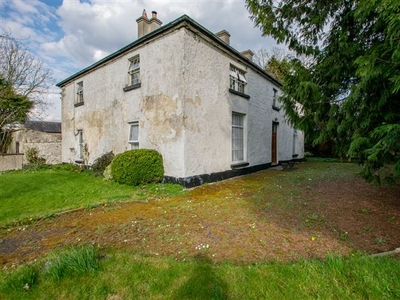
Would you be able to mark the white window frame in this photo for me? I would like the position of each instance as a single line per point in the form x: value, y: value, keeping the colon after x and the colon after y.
x: 133, y: 140
x: 275, y: 98
x: 134, y: 70
x: 80, y: 143
x: 237, y: 79
x: 239, y: 138
x: 79, y: 93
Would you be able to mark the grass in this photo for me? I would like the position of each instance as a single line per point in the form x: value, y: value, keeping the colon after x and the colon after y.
x: 124, y: 275
x: 32, y: 194
x: 72, y: 262
x: 91, y: 272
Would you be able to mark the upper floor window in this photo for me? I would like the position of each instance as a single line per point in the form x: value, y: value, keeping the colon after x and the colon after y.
x: 133, y: 73
x: 275, y: 99
x: 79, y: 94
x: 237, y: 80
x: 134, y: 70
x: 134, y: 135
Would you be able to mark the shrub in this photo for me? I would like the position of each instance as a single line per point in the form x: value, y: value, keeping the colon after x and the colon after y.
x: 138, y: 166
x: 107, y: 173
x: 101, y: 163
x: 33, y: 158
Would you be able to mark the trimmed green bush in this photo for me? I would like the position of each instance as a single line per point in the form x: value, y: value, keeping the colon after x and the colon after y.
x: 138, y: 166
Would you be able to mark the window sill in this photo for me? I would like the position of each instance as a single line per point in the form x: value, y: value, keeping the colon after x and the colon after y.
x: 132, y: 87
x: 239, y: 94
x: 79, y: 161
x: 276, y: 108
x: 239, y: 165
x: 78, y: 104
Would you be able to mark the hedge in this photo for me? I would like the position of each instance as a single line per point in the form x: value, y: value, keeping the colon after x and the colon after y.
x: 138, y: 166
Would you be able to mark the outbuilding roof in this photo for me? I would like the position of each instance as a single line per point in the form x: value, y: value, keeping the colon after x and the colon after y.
x: 42, y: 126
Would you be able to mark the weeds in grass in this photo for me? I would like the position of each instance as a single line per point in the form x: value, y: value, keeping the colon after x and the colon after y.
x: 49, y: 216
x: 313, y: 219
x: 365, y: 211
x: 380, y: 241
x: 23, y: 278
x: 202, y: 247
x: 342, y: 235
x: 92, y: 206
x: 316, y: 218
x: 73, y: 261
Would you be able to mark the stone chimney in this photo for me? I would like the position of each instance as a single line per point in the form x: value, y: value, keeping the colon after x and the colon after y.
x: 249, y: 54
x: 145, y: 25
x: 154, y: 21
x: 224, y: 36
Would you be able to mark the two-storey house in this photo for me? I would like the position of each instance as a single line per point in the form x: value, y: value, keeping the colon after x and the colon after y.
x: 180, y: 89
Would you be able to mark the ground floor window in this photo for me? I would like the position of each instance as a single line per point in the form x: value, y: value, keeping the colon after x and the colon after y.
x: 238, y: 137
x: 80, y: 144
x: 134, y: 135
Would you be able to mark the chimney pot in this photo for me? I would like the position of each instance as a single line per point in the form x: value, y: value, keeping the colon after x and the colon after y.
x: 145, y: 25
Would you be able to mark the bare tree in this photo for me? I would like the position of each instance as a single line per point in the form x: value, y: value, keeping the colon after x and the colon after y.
x: 27, y: 75
x: 262, y: 56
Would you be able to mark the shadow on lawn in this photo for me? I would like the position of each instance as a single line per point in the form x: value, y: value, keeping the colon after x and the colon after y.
x: 203, y: 283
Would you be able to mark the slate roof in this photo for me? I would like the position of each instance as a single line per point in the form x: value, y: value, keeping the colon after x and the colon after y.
x: 42, y: 126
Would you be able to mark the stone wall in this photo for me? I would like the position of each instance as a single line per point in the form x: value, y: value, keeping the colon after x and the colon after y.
x: 10, y: 162
x: 47, y: 144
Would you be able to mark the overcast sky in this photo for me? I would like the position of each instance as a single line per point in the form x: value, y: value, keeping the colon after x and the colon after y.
x: 68, y: 35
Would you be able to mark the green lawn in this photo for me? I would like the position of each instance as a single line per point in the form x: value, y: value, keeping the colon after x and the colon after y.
x: 103, y: 273
x: 41, y: 193
x: 125, y: 275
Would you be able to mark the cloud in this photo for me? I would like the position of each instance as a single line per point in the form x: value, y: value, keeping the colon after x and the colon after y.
x: 74, y: 34
x: 93, y: 29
